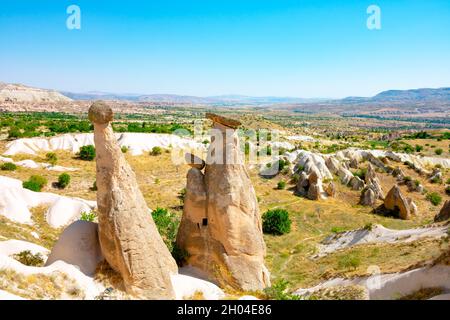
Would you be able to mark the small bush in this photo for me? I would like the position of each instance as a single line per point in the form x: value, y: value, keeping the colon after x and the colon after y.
x: 124, y: 149
x: 52, y: 158
x: 438, y: 151
x: 276, y: 222
x: 434, y: 198
x: 281, y: 185
x: 88, y: 216
x: 94, y: 186
x: 349, y: 261
x: 156, y: 151
x: 448, y: 181
x: 167, y: 224
x: 8, y: 166
x: 63, y: 180
x: 436, y: 180
x: 419, y: 148
x: 407, y: 179
x: 35, y: 183
x: 29, y: 259
x: 278, y: 291
x: 87, y: 153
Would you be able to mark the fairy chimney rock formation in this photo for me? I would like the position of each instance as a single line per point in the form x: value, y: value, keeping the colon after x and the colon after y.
x: 221, y: 225
x: 397, y: 203
x: 128, y: 237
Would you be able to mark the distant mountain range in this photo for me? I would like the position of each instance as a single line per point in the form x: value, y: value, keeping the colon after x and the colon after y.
x: 412, y: 96
x: 173, y: 98
x: 22, y: 93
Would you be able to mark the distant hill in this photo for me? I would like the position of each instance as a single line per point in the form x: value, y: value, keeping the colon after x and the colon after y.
x: 184, y: 99
x: 404, y: 96
x: 21, y: 93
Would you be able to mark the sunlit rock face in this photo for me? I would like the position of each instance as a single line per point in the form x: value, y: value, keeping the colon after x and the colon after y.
x: 221, y: 225
x: 128, y: 237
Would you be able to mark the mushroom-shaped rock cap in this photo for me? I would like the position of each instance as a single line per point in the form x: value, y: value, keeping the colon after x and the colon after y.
x: 231, y: 123
x: 100, y: 113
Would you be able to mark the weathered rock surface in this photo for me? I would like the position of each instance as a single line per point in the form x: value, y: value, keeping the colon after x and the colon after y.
x: 331, y: 190
x: 128, y: 236
x: 368, y: 197
x: 194, y: 161
x: 221, y: 226
x: 397, y: 203
x: 356, y: 183
x: 444, y: 214
x: 373, y: 182
x: 78, y: 245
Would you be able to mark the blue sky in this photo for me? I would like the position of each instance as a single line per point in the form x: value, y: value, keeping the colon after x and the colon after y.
x: 212, y: 47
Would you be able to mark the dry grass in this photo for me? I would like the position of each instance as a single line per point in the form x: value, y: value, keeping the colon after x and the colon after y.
x: 423, y: 294
x: 39, y: 286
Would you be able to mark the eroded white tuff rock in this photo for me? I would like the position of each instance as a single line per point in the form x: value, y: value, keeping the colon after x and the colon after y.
x: 128, y: 236
x: 221, y: 226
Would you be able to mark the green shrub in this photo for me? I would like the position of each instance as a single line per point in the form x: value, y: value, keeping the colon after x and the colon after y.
x: 52, y: 158
x: 8, y: 166
x: 281, y: 185
x: 349, y: 261
x: 35, y: 183
x: 407, y: 179
x: 124, y: 149
x: 167, y: 224
x: 278, y: 291
x: 63, y: 180
x: 276, y: 222
x: 448, y: 181
x: 338, y: 229
x: 94, y: 186
x: 438, y: 151
x: 434, y: 198
x: 436, y: 180
x: 87, y: 153
x: 156, y: 151
x: 418, y: 148
x: 29, y: 259
x: 88, y: 216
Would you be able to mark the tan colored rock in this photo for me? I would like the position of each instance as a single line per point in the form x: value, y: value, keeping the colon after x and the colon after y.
x: 128, y: 236
x: 302, y: 184
x: 331, y: 190
x: 353, y: 163
x: 368, y: 197
x: 227, y: 122
x: 397, y: 203
x: 224, y: 238
x: 373, y: 182
x: 356, y: 183
x: 444, y: 214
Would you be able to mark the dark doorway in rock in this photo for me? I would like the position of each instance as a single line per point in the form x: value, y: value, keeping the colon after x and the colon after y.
x: 205, y: 222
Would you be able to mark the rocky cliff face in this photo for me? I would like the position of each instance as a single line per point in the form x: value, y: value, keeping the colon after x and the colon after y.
x: 221, y: 225
x: 128, y: 236
x: 21, y: 93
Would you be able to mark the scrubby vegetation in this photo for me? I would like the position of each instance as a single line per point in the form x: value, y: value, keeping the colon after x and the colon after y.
x: 156, y: 151
x: 88, y: 216
x: 8, y: 166
x: 435, y: 198
x: 276, y: 222
x: 87, y: 153
x: 29, y: 259
x: 63, y: 180
x: 35, y: 183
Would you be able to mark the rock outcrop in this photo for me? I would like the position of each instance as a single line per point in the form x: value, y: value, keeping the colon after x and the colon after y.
x: 444, y: 214
x: 397, y: 204
x: 128, y: 237
x: 331, y: 190
x: 356, y: 183
x: 310, y: 186
x: 78, y: 245
x: 221, y: 226
x: 373, y: 182
x: 368, y: 197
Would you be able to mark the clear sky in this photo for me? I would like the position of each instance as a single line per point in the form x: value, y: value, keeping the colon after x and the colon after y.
x: 212, y: 47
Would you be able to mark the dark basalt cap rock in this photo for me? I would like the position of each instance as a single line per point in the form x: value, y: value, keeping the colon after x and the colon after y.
x: 100, y: 113
x: 231, y: 123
